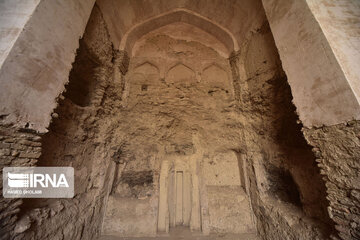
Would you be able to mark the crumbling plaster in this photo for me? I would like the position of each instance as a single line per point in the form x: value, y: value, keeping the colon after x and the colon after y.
x: 178, y: 91
x: 274, y: 148
x: 319, y: 85
x: 75, y: 139
x: 261, y: 92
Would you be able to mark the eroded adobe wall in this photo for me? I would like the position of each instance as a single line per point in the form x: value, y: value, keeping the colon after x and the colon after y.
x: 337, y: 149
x: 287, y: 192
x: 18, y: 148
x: 319, y: 58
x: 74, y: 139
x: 178, y: 107
x: 24, y: 73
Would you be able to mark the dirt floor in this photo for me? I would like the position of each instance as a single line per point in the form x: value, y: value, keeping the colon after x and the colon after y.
x: 184, y: 233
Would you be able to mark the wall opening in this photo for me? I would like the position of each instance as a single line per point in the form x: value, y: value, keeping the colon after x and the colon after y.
x: 283, y: 186
x: 82, y: 78
x: 300, y: 166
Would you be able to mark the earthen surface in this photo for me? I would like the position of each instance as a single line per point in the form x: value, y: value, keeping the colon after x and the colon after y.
x: 180, y: 120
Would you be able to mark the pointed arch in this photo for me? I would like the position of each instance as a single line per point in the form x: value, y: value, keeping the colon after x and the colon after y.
x: 213, y: 64
x: 177, y: 64
x: 178, y: 15
x: 215, y: 75
x: 150, y: 67
x: 145, y: 72
x: 180, y: 73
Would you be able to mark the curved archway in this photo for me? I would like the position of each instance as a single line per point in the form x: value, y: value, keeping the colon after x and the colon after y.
x: 178, y: 15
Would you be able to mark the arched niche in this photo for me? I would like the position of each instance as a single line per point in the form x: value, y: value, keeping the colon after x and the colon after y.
x: 145, y: 72
x: 178, y: 15
x: 180, y: 73
x: 215, y: 76
x: 142, y: 76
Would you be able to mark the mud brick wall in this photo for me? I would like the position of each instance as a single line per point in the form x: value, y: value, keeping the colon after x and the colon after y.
x: 337, y: 149
x: 18, y: 148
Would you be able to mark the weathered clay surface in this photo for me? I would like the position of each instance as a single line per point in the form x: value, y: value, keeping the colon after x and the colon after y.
x: 337, y: 149
x: 278, y: 162
x: 178, y: 106
x: 176, y: 117
x: 18, y: 148
x: 74, y: 140
x: 228, y: 205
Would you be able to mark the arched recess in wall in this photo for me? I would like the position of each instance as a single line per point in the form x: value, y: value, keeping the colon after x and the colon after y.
x: 178, y: 15
x: 148, y: 70
x: 215, y: 75
x: 143, y: 76
x: 180, y: 73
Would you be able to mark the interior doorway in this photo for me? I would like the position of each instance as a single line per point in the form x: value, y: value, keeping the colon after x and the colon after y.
x: 180, y: 198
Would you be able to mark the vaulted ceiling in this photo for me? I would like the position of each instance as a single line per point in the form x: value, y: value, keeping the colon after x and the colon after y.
x: 223, y: 19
